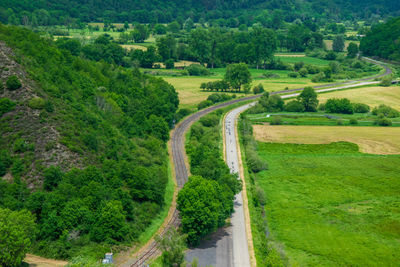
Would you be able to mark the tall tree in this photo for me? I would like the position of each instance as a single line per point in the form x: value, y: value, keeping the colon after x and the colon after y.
x: 237, y: 75
x: 308, y: 97
x: 166, y: 47
x: 338, y: 43
x: 352, y: 50
x: 264, y: 43
x: 17, y: 230
x: 200, y: 44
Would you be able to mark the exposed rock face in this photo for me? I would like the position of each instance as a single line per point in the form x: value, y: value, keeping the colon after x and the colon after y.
x: 36, y: 127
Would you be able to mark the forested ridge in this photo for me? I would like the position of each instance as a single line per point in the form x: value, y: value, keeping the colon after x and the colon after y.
x: 51, y: 12
x: 83, y: 145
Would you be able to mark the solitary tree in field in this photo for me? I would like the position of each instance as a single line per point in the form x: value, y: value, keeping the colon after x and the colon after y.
x: 338, y: 43
x: 308, y: 98
x: 16, y: 235
x: 237, y: 75
x: 352, y: 50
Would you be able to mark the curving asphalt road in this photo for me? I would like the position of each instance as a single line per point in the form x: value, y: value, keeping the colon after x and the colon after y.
x: 218, y: 250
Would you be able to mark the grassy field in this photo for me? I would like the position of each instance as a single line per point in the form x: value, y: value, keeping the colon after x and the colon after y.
x: 188, y: 87
x: 329, y: 43
x: 372, y: 96
x: 375, y: 140
x: 305, y: 59
x: 330, y: 205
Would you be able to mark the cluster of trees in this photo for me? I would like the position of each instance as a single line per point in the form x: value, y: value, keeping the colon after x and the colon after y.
x: 222, y: 13
x: 206, y: 200
x: 344, y: 106
x: 382, y: 40
x: 213, y: 99
x: 116, y: 119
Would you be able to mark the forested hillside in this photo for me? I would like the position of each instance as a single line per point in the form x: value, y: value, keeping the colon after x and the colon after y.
x: 383, y: 40
x: 51, y: 12
x: 82, y: 145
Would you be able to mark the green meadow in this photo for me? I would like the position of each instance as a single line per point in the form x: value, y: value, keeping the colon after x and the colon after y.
x: 330, y: 205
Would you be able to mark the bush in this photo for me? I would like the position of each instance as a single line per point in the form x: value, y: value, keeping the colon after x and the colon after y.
x: 353, y: 121
x: 204, y: 104
x: 294, y: 106
x: 169, y: 64
x: 21, y: 146
x: 197, y: 70
x: 37, y: 103
x: 254, y: 162
x: 1, y: 87
x: 386, y: 81
x: 270, y: 75
x: 303, y: 72
x: 273, y: 104
x: 6, y: 105
x: 361, y: 108
x: 13, y: 83
x: 319, y: 77
x: 258, y: 89
x: 383, y: 122
x: 330, y: 55
x: 210, y: 120
x: 298, y: 65
x: 293, y: 74
x: 276, y: 120
x: 335, y: 105
x: 218, y: 97
x: 386, y: 111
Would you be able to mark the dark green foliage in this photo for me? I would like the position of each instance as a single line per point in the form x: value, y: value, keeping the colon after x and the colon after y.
x: 37, y: 103
x: 219, y: 97
x: 258, y: 89
x: 383, y: 121
x: 273, y: 103
x: 308, y: 98
x: 276, y: 120
x: 17, y: 231
x: 353, y: 121
x: 52, y: 177
x: 117, y: 119
x: 386, y: 111
x: 294, y: 106
x: 381, y: 40
x: 13, y: 83
x: 336, y: 105
x: 169, y: 64
x: 293, y: 74
x: 6, y: 105
x: 210, y: 121
x: 172, y: 246
x: 338, y: 43
x: 361, y: 108
x: 197, y: 70
x: 204, y: 104
x: 140, y: 33
x: 352, y: 50
x: 237, y: 75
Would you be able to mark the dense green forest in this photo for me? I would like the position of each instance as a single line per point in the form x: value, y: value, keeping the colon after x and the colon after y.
x: 56, y: 12
x: 114, y: 124
x: 383, y: 40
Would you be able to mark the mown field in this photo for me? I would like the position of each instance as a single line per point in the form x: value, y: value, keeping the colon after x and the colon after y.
x: 330, y: 205
x: 372, y: 96
x: 375, y: 140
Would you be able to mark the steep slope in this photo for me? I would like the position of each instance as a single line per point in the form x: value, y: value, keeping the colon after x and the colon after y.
x: 82, y: 145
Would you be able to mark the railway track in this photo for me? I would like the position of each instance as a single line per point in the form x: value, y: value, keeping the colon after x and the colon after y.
x: 178, y: 150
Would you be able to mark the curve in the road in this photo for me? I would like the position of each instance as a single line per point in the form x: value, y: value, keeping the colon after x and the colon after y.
x: 178, y: 150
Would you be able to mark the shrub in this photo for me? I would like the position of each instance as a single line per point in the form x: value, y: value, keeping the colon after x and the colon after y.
x: 330, y: 55
x: 319, y: 77
x: 303, y: 72
x: 311, y: 69
x: 258, y: 89
x: 335, y: 105
x: 21, y: 146
x: 254, y: 162
x: 386, y: 111
x: 276, y: 120
x: 293, y: 74
x: 386, y: 81
x: 204, y: 104
x: 218, y: 97
x: 270, y: 75
x: 383, y: 122
x: 37, y: 103
x: 197, y: 70
x: 6, y: 105
x: 273, y: 104
x: 169, y: 64
x: 13, y: 83
x: 210, y: 120
x: 339, y: 122
x: 294, y: 106
x: 361, y: 108
x: 298, y: 65
x: 353, y: 121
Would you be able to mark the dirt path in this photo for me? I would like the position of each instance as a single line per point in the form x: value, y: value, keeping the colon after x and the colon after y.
x: 36, y: 261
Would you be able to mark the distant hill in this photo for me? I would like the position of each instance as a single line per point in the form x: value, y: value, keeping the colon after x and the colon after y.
x: 383, y: 40
x: 83, y: 145
x: 149, y: 11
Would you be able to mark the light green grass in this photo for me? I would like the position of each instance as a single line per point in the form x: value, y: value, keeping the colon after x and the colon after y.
x: 306, y: 60
x: 329, y: 205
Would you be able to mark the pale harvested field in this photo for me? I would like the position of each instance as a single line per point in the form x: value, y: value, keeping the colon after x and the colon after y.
x: 372, y: 96
x: 373, y: 140
x: 36, y: 261
x: 130, y: 47
x: 329, y: 43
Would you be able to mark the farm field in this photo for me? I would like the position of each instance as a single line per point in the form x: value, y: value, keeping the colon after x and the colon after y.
x: 329, y: 43
x: 330, y: 205
x: 372, y: 96
x: 374, y: 140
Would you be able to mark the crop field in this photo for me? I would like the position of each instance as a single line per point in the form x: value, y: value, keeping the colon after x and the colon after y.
x: 374, y: 140
x: 329, y: 43
x: 330, y: 205
x: 188, y: 87
x: 372, y: 96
